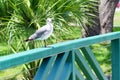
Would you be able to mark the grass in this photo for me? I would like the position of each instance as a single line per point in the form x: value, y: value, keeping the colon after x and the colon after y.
x: 98, y: 49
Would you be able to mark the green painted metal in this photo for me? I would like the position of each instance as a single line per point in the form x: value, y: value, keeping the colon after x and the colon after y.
x: 93, y: 63
x: 44, y: 67
x: 65, y: 61
x: 52, y: 67
x: 84, y: 66
x: 66, y: 72
x: 115, y: 59
x: 58, y: 66
x: 79, y: 76
x: 73, y: 65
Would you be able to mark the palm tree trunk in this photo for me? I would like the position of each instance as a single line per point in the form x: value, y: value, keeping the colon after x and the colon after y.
x: 104, y: 20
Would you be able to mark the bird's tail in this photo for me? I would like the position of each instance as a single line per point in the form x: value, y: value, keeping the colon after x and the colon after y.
x: 27, y: 40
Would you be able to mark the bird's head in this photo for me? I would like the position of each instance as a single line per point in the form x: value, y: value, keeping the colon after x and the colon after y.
x: 49, y: 20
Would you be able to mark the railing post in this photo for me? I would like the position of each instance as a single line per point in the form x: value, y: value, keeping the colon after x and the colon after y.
x: 73, y: 65
x: 115, y: 44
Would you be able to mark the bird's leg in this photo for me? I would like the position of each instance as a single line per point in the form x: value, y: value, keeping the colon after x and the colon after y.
x: 45, y: 45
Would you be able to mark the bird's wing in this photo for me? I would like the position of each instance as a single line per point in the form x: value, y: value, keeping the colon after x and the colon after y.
x: 41, y: 31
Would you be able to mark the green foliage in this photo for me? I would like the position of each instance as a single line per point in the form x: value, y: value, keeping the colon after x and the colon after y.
x: 30, y: 13
x: 19, y: 15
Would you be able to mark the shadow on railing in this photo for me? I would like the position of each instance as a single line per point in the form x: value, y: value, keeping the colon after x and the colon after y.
x: 71, y: 60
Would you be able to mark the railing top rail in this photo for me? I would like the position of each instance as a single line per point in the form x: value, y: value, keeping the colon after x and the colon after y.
x: 34, y: 54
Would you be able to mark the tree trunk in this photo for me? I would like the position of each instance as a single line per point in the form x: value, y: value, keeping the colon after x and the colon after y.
x: 104, y: 20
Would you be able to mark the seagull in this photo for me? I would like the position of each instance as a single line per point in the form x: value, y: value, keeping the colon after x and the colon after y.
x: 43, y: 33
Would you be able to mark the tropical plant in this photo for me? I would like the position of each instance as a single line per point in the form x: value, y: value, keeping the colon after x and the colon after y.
x: 19, y: 16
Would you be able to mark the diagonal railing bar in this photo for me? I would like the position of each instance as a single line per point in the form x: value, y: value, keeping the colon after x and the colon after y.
x: 93, y: 63
x: 73, y: 65
x: 44, y: 68
x: 84, y: 66
x: 60, y: 67
x: 78, y: 74
x: 66, y: 72
x: 59, y: 63
x: 48, y: 68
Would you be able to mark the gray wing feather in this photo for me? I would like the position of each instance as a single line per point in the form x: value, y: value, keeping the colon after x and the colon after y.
x: 38, y: 33
x: 41, y: 31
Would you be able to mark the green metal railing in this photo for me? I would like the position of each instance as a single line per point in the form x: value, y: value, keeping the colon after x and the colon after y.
x: 70, y: 60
